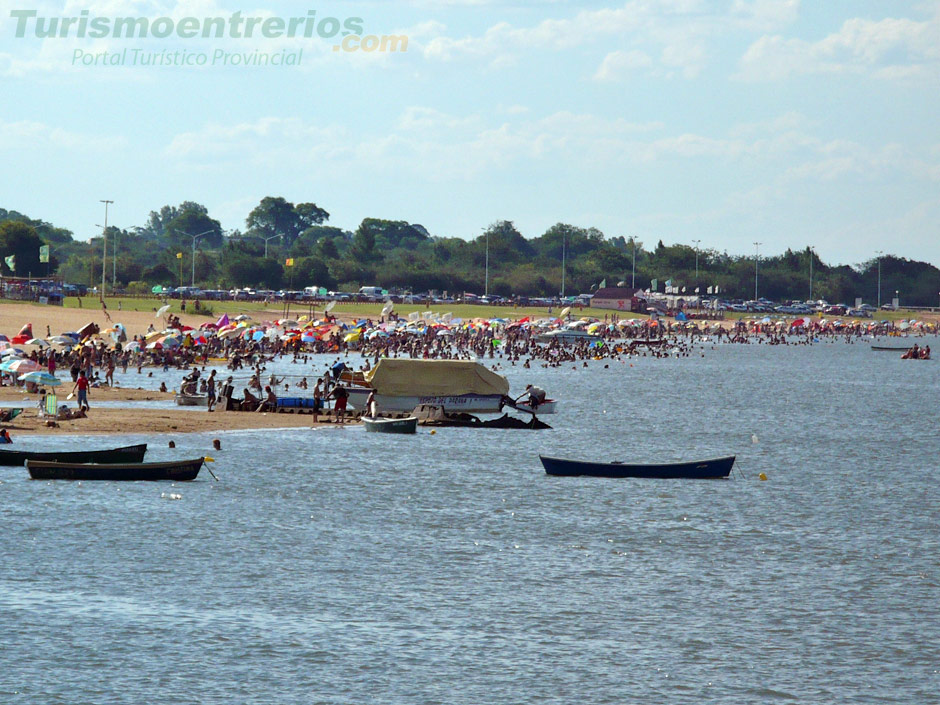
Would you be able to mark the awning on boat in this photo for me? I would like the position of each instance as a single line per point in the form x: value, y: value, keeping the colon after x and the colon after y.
x: 427, y: 378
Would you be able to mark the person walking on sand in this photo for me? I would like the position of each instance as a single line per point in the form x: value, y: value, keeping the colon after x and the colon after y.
x: 81, y: 386
x: 210, y: 390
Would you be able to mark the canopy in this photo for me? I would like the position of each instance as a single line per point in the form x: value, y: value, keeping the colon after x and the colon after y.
x: 426, y: 378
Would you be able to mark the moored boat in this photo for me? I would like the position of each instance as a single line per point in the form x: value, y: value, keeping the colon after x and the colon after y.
x: 715, y: 468
x: 379, y: 425
x: 124, y: 454
x: 174, y: 470
x: 400, y: 385
x: 192, y: 399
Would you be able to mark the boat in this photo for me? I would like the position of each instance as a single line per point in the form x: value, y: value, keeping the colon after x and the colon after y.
x: 890, y: 348
x: 124, y: 454
x: 408, y: 424
x: 567, y: 335
x: 435, y: 416
x: 715, y: 468
x: 192, y: 399
x: 400, y: 385
x: 175, y: 470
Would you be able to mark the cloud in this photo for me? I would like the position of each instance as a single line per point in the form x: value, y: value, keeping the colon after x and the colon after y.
x: 30, y: 135
x: 888, y: 49
x: 618, y: 65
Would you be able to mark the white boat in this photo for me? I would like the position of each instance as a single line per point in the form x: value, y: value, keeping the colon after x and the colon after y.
x: 567, y: 336
x: 401, y: 385
x: 192, y: 399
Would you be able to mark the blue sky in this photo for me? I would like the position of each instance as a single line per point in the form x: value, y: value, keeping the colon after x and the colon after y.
x: 785, y: 122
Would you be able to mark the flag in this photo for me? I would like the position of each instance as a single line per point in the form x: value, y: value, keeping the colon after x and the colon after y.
x: 603, y: 283
x: 654, y: 285
x: 179, y: 255
x: 696, y: 290
x: 683, y: 290
x: 11, y: 262
x: 668, y: 285
x: 44, y: 253
x: 289, y: 262
x: 708, y: 290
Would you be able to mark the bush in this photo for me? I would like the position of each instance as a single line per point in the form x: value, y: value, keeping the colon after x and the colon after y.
x: 139, y: 288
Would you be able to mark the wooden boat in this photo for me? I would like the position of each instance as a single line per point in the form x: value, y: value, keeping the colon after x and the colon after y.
x: 124, y: 454
x: 695, y: 470
x: 192, y: 399
x: 175, y: 470
x: 890, y: 348
x: 379, y: 425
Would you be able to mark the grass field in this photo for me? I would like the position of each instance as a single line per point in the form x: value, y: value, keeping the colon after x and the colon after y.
x: 259, y: 311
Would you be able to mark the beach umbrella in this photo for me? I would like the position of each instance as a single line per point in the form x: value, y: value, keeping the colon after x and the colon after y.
x: 21, y: 366
x: 162, y: 310
x: 41, y: 377
x: 154, y: 346
x: 38, y: 341
x: 242, y: 317
x: 170, y: 342
x: 330, y: 306
x: 387, y: 308
x: 13, y: 351
x: 132, y: 346
x: 3, y: 337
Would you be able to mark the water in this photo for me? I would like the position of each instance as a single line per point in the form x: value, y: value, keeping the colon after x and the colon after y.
x: 334, y: 566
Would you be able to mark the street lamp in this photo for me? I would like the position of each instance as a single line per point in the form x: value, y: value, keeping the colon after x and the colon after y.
x: 564, y: 238
x: 879, y: 253
x: 756, y: 260
x: 266, y: 244
x: 486, y: 280
x: 633, y: 279
x: 811, y: 253
x: 696, y: 259
x: 104, y: 250
x: 192, y: 282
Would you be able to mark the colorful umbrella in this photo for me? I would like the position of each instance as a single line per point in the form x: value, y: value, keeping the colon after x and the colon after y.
x: 41, y: 377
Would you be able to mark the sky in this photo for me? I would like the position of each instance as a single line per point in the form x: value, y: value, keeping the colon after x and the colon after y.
x: 712, y: 124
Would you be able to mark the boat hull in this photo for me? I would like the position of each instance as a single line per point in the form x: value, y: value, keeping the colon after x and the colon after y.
x: 125, y: 454
x: 470, y: 403
x: 192, y: 399
x: 174, y: 470
x: 406, y: 425
x: 715, y: 468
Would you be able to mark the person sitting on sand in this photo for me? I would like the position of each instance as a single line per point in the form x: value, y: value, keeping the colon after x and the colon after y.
x: 270, y: 401
x: 249, y: 401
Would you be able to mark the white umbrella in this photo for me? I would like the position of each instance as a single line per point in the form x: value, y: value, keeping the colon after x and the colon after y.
x: 38, y: 341
x: 242, y: 317
x: 162, y: 310
x: 564, y: 312
x: 330, y: 306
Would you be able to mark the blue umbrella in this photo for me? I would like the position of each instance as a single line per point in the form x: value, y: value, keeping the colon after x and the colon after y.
x: 41, y: 377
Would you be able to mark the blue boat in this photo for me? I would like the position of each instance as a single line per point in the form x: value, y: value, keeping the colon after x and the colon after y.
x: 715, y: 468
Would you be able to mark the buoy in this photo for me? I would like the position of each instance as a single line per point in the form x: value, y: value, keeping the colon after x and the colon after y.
x: 433, y: 432
x: 762, y: 476
x: 754, y: 438
x: 172, y: 444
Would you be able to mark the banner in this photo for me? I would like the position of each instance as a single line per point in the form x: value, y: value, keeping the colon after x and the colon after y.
x: 603, y: 283
x: 654, y: 285
x: 289, y: 262
x: 11, y: 262
x: 44, y: 253
x: 179, y: 255
x: 708, y: 290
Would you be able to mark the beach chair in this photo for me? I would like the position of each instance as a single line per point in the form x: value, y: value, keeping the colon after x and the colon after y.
x: 51, y: 409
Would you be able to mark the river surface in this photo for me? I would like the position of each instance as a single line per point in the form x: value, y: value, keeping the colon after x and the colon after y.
x: 335, y: 566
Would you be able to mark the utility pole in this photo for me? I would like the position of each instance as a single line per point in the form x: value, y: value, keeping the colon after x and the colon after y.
x: 756, y: 260
x: 633, y: 278
x: 104, y: 250
x: 486, y: 281
x: 266, y: 244
x: 811, y: 253
x: 697, y: 242
x: 564, y: 238
x: 192, y: 282
x: 879, y: 253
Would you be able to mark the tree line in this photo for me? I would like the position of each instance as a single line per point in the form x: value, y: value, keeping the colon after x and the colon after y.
x: 290, y: 246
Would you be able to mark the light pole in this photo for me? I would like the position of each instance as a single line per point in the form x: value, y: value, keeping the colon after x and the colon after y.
x: 697, y: 242
x: 756, y: 260
x: 104, y: 250
x: 486, y: 279
x: 879, y: 253
x: 633, y: 278
x: 564, y: 238
x: 266, y: 244
x: 192, y: 282
x: 811, y: 253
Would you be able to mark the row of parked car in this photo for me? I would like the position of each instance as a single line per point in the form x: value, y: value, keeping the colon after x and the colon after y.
x: 798, y: 308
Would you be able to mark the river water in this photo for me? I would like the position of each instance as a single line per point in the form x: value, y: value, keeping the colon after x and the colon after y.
x: 334, y: 566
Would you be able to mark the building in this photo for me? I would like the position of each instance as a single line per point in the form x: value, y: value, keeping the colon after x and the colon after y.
x: 619, y: 299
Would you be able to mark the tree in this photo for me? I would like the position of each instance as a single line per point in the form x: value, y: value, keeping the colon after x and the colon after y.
x: 276, y: 216
x: 189, y: 222
x: 23, y: 242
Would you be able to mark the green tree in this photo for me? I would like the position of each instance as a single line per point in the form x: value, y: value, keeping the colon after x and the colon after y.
x: 22, y: 241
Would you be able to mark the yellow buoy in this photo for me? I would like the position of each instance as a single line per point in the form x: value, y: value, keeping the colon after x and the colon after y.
x: 762, y: 476
x: 433, y: 432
